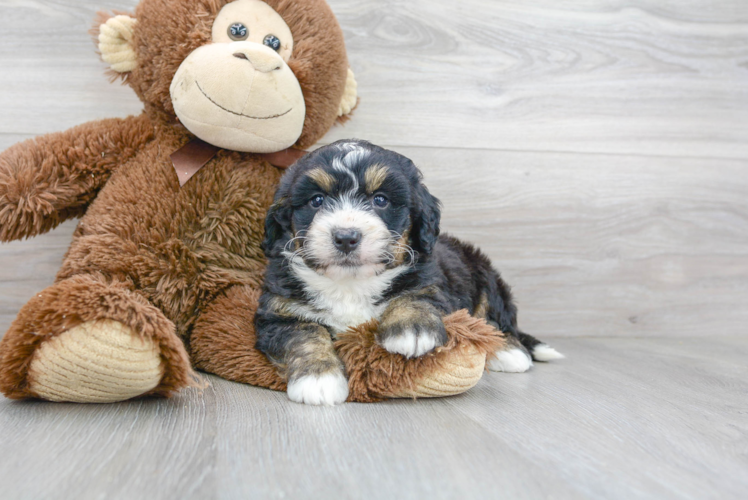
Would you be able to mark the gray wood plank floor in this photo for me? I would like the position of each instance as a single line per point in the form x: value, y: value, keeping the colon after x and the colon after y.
x: 620, y: 419
x: 596, y: 150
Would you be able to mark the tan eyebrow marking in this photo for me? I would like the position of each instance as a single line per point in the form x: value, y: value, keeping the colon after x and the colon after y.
x: 481, y: 310
x: 322, y: 178
x: 374, y: 177
x: 401, y: 247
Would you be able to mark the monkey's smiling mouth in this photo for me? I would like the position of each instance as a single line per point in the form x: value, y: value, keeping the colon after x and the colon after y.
x: 240, y: 114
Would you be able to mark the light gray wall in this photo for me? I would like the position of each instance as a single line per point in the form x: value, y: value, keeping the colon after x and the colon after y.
x: 596, y: 150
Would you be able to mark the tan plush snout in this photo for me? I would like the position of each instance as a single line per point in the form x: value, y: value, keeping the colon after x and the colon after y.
x: 234, y: 93
x: 260, y: 57
x: 240, y: 96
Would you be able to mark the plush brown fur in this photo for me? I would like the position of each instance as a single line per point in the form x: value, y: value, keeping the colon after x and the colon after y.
x: 385, y: 373
x: 73, y: 301
x: 175, y: 28
x: 179, y: 265
x: 49, y: 179
x: 144, y: 244
x: 228, y: 350
x: 373, y: 373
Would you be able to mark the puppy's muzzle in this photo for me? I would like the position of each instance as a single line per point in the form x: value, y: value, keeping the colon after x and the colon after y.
x: 346, y: 240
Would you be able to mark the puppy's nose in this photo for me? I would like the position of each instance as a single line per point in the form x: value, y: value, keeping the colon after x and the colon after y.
x: 346, y: 240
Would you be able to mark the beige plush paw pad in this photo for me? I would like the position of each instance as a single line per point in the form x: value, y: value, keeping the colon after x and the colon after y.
x: 460, y: 372
x: 95, y: 362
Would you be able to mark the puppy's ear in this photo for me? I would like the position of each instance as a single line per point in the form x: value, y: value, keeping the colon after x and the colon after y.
x: 277, y: 224
x: 426, y: 220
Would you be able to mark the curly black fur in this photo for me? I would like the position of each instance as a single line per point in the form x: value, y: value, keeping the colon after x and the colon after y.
x: 439, y: 276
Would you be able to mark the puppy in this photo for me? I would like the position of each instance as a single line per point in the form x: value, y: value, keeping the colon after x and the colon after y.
x: 353, y: 235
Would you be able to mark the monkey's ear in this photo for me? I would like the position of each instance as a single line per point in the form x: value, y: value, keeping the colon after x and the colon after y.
x: 115, y: 43
x: 426, y: 221
x: 350, y: 95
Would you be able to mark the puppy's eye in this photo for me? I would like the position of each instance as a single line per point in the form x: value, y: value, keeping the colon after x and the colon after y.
x: 238, y: 31
x: 380, y: 201
x: 273, y: 42
x: 317, y: 201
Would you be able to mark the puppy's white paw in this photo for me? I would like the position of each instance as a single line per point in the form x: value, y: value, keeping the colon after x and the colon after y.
x: 510, y: 360
x: 544, y: 352
x: 328, y: 389
x: 410, y: 344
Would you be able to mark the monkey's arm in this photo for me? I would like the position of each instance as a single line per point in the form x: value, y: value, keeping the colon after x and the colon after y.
x: 49, y: 179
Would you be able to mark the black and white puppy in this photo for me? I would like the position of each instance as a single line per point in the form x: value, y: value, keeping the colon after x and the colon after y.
x: 353, y: 235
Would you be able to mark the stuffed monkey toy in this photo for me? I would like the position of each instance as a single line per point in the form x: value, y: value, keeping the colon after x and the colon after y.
x: 163, y: 274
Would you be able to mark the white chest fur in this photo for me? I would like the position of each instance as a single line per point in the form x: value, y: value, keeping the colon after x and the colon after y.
x: 341, y: 299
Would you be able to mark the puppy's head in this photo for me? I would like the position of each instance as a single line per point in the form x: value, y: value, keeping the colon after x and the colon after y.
x: 352, y: 205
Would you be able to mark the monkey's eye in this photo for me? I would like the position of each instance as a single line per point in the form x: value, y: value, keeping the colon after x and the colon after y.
x: 317, y: 201
x: 273, y: 42
x: 238, y: 31
x: 380, y: 201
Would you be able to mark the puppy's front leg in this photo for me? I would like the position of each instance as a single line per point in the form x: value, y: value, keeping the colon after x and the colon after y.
x: 411, y: 325
x: 315, y: 374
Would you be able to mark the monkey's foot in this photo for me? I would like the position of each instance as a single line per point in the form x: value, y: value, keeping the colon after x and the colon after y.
x: 458, y: 372
x: 375, y: 373
x: 95, y: 362
x: 86, y: 339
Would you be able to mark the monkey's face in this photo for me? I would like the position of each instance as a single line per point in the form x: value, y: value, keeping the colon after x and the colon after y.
x: 238, y: 92
x: 244, y: 75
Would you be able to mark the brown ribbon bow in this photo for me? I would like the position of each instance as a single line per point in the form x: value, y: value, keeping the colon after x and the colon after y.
x: 191, y: 157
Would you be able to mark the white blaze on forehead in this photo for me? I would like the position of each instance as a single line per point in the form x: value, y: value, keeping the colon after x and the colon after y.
x: 353, y: 155
x: 338, y: 165
x: 349, y: 146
